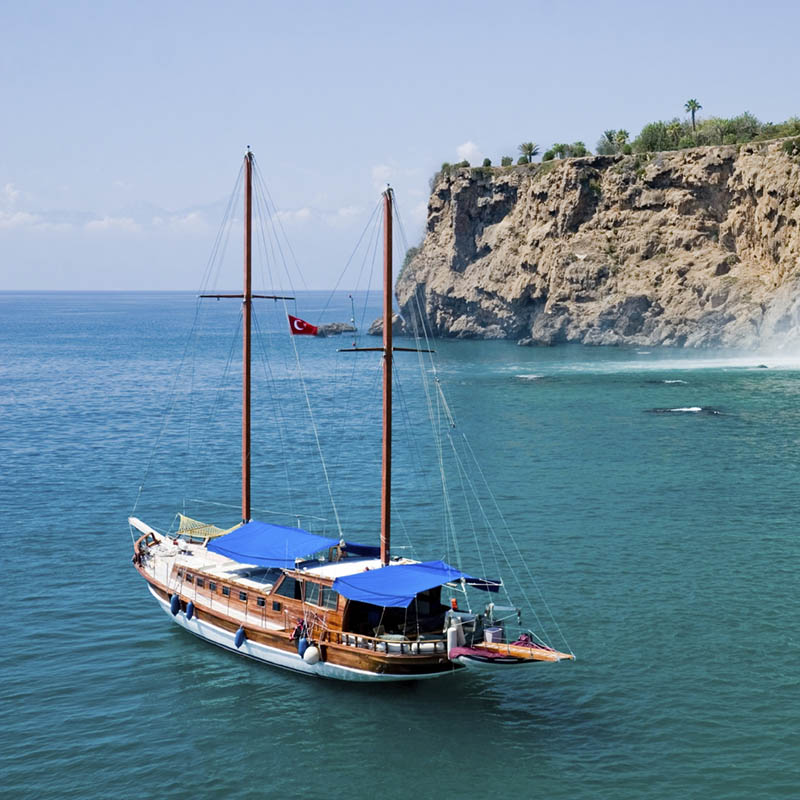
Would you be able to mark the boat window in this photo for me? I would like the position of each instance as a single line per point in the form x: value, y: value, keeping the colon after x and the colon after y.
x: 330, y: 599
x: 260, y: 602
x: 289, y: 587
x: 243, y: 596
x: 226, y: 591
x: 312, y: 593
x: 212, y: 585
x: 276, y: 606
x: 180, y: 573
x: 189, y: 577
x: 201, y: 582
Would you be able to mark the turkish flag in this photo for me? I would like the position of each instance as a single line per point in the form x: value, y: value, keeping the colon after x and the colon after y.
x: 299, y: 326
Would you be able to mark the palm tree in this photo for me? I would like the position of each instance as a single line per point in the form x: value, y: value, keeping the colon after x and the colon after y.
x: 607, y: 144
x: 692, y: 106
x: 529, y: 150
x: 674, y: 131
x: 621, y: 138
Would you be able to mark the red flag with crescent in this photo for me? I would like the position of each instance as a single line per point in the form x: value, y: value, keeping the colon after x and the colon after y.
x: 299, y: 326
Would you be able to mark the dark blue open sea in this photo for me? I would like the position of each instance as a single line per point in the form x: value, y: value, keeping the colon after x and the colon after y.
x: 665, y: 542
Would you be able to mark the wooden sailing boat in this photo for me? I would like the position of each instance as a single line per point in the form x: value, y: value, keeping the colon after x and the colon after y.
x: 316, y: 605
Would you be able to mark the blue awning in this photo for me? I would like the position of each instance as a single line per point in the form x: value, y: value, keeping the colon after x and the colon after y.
x: 269, y: 545
x: 396, y: 584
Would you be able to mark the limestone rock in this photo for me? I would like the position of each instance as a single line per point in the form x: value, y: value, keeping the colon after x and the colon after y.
x: 398, y: 326
x: 693, y: 248
x: 335, y: 329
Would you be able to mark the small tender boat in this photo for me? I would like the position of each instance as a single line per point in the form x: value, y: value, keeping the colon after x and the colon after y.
x: 322, y: 605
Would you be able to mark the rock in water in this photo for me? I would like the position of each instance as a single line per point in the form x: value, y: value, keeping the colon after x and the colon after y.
x: 398, y: 326
x: 693, y: 248
x: 335, y: 329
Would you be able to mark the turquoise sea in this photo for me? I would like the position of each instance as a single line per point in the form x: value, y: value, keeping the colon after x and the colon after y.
x: 664, y: 541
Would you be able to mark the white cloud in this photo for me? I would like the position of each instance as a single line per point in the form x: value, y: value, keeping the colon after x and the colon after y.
x: 8, y: 198
x: 342, y: 217
x: 298, y: 215
x: 191, y: 222
x: 469, y: 151
x: 124, y: 224
x: 18, y: 219
x: 381, y: 175
x: 419, y: 213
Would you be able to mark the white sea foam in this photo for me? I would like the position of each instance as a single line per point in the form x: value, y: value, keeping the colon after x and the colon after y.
x: 677, y: 380
x: 692, y: 409
x: 529, y: 377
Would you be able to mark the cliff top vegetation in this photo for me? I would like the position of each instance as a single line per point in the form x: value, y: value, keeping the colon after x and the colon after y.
x: 670, y: 134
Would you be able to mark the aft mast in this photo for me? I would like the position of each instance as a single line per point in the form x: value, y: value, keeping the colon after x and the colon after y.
x: 386, y: 469
x: 388, y: 350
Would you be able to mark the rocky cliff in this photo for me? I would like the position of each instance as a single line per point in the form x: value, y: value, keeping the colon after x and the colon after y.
x: 691, y: 248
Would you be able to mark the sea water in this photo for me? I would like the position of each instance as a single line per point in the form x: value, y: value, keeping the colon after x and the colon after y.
x: 653, y: 494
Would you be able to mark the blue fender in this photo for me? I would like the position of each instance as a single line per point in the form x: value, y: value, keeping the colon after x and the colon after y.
x: 175, y: 604
x: 240, y: 637
x: 302, y: 645
x: 189, y: 610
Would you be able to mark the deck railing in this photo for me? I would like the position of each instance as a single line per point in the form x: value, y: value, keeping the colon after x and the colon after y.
x: 380, y: 644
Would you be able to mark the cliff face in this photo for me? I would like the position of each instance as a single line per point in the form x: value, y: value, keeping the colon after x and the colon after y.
x: 691, y: 248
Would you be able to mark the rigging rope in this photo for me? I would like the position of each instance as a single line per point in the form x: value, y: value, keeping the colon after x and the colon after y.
x: 221, y: 236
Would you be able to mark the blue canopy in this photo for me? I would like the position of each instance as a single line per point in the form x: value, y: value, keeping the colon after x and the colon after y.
x: 396, y: 584
x: 268, y: 545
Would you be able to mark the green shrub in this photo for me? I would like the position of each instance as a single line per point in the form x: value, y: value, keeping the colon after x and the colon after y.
x: 654, y: 137
x: 410, y: 253
x: 627, y: 149
x: 487, y: 162
x: 548, y: 156
x: 578, y: 150
x: 506, y: 161
x: 461, y: 164
x: 791, y: 147
x: 522, y: 160
x: 545, y: 167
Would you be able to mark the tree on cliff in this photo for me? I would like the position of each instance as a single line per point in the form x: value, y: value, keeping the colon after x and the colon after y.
x: 528, y: 150
x: 692, y: 106
x: 607, y: 144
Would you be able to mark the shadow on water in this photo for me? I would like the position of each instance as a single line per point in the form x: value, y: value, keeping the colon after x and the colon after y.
x: 442, y: 726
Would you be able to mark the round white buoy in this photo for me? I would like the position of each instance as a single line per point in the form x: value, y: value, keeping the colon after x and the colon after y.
x: 311, y: 655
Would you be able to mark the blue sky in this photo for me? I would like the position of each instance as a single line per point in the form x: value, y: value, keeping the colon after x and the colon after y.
x: 124, y: 123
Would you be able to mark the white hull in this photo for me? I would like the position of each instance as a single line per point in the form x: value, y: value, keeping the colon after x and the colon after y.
x: 280, y: 658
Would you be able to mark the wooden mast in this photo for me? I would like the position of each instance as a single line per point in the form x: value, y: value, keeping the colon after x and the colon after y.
x: 246, y: 322
x: 386, y: 471
x: 247, y: 313
x: 388, y: 350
